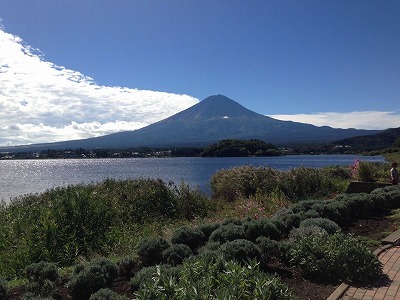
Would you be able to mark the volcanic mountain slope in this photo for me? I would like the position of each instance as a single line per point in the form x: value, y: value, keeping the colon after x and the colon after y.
x: 385, y: 139
x: 211, y: 120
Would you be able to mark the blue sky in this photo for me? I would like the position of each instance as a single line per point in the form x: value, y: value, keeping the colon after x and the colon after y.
x: 333, y: 63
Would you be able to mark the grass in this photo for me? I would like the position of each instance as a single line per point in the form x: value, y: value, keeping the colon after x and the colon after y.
x: 77, y: 223
x: 111, y: 217
x: 395, y: 156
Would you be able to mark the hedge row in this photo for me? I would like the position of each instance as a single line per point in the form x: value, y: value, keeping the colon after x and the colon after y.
x: 318, y: 220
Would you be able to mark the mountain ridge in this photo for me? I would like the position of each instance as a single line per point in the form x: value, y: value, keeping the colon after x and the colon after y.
x: 213, y: 119
x: 385, y: 139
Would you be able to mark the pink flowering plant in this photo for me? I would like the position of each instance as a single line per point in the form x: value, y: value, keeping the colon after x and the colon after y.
x: 261, y: 205
x: 363, y: 171
x: 354, y: 169
x: 250, y: 208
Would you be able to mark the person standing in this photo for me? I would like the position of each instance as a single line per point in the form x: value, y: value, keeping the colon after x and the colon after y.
x: 394, y: 173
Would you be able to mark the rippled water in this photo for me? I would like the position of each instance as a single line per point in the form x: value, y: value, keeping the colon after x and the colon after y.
x: 19, y: 177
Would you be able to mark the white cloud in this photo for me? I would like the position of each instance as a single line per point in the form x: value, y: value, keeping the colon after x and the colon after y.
x: 356, y: 119
x: 43, y: 102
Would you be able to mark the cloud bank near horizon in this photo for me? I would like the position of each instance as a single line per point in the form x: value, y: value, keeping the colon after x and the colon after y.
x: 42, y: 102
x: 377, y: 120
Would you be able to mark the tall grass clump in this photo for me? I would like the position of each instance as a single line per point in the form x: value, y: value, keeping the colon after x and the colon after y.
x: 364, y: 171
x: 296, y: 184
x: 242, y: 181
x: 150, y: 250
x: 192, y: 203
x: 302, y: 183
x: 65, y: 223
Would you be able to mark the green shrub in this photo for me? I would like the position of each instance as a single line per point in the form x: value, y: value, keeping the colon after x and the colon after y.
x: 298, y: 183
x: 41, y: 271
x: 365, y: 171
x: 228, y: 232
x: 303, y: 232
x: 303, y: 206
x: 253, y: 229
x: 192, y: 237
x: 126, y: 266
x: 262, y: 227
x: 75, y: 222
x: 233, y: 221
x: 330, y: 226
x: 269, y: 248
x: 42, y: 278
x: 210, y: 246
x: 199, y: 278
x: 3, y: 288
x: 146, y: 274
x: 150, y: 250
x: 107, y: 294
x: 192, y: 203
x: 31, y: 296
x: 395, y: 198
x: 44, y: 289
x: 241, y: 250
x: 285, y: 220
x: 310, y: 214
x: 88, y: 279
x: 334, y: 258
x: 210, y: 249
x: 243, y: 181
x: 386, y: 189
x: 302, y: 183
x: 338, y: 172
x: 381, y: 202
x: 208, y: 229
x: 337, y: 211
x: 151, y: 198
x: 175, y: 254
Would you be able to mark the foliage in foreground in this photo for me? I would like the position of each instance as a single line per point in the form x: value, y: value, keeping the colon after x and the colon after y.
x: 88, y: 279
x: 43, y: 278
x: 3, y: 288
x: 241, y: 239
x: 107, y: 294
x: 199, y: 278
x: 334, y: 258
x: 63, y: 224
x: 78, y: 220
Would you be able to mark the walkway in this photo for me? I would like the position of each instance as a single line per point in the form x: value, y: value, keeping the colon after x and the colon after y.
x: 388, y: 289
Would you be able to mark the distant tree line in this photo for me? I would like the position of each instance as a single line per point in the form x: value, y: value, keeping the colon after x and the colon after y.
x: 241, y: 148
x: 372, y: 145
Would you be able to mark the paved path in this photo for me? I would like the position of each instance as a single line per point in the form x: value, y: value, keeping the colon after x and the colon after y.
x: 385, y: 290
x: 388, y: 289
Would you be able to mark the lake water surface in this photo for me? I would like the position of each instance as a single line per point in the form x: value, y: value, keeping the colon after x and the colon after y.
x: 19, y: 177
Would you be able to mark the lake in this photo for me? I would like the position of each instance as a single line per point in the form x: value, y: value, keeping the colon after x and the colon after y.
x: 19, y: 177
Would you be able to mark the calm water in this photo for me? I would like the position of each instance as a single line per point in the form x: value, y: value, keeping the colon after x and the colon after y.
x: 19, y: 177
